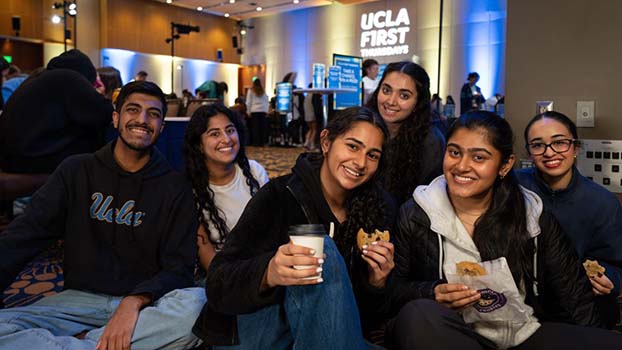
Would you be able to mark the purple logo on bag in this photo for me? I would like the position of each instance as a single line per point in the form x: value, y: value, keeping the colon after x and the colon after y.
x: 490, y: 301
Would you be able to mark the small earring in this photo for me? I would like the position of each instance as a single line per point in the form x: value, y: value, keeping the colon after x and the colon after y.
x: 501, y: 177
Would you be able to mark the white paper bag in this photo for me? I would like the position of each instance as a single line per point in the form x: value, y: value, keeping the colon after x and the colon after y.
x: 500, y: 299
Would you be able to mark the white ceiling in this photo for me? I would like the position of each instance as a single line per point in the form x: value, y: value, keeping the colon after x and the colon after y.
x: 243, y: 9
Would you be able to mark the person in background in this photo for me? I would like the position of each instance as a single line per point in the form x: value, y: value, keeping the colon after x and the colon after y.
x: 449, y: 111
x: 223, y: 178
x: 141, y: 76
x: 14, y: 79
x: 257, y: 103
x: 52, y: 115
x: 314, y: 114
x: 436, y: 103
x: 588, y: 213
x: 240, y: 109
x: 111, y: 79
x: 477, y: 211
x: 251, y: 283
x: 416, y: 147
x: 370, y: 81
x: 471, y: 97
x: 129, y: 224
x: 4, y: 71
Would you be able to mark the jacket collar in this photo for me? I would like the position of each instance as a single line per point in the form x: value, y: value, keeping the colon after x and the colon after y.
x: 569, y: 190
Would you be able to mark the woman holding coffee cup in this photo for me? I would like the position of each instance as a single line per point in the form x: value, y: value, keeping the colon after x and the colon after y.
x: 273, y: 287
x: 476, y: 211
x: 222, y: 177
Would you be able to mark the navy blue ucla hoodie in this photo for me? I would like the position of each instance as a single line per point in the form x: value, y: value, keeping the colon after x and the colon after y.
x: 124, y: 233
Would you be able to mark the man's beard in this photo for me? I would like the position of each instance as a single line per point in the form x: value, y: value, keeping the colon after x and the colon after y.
x: 141, y: 148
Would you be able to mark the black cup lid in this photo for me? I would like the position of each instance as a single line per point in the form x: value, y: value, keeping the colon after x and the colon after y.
x: 307, y: 230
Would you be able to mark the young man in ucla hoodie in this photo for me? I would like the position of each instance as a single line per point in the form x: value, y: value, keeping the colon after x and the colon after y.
x: 129, y: 225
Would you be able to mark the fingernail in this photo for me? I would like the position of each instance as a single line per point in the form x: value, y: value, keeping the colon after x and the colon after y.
x: 465, y: 287
x: 374, y: 243
x: 320, y: 280
x: 364, y: 246
x: 320, y: 261
x: 311, y: 251
x: 319, y: 269
x: 364, y: 252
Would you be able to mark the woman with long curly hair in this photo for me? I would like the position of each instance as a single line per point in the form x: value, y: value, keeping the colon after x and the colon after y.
x: 415, y: 151
x: 254, y: 278
x: 223, y: 179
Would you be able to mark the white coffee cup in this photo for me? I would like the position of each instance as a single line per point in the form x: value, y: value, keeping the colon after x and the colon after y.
x: 310, y: 236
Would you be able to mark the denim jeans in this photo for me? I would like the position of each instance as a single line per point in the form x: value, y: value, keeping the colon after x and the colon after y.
x: 51, y: 322
x: 321, y: 316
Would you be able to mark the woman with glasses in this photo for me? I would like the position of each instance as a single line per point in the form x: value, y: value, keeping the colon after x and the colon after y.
x: 589, y: 214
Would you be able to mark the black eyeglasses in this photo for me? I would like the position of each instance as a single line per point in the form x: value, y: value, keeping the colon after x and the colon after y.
x: 559, y: 146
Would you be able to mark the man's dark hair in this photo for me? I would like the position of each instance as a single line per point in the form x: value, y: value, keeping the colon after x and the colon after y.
x: 142, y: 73
x: 140, y: 87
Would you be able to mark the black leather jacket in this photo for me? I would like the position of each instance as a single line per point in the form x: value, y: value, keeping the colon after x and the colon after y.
x: 560, y: 291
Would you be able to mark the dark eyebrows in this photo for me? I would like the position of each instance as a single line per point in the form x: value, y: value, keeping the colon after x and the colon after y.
x: 539, y: 139
x: 470, y: 150
x: 360, y: 143
x: 132, y: 104
x: 401, y: 90
x: 226, y: 127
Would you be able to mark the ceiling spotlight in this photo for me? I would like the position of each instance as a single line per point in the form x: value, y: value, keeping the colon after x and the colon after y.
x: 227, y: 15
x: 232, y: 1
x: 296, y: 1
x: 169, y: 1
x: 56, y: 19
x: 243, y: 31
x: 73, y: 6
x: 199, y: 8
x: 72, y: 12
x: 259, y: 8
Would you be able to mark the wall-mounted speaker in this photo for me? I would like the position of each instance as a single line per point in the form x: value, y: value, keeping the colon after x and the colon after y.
x: 240, y: 51
x: 234, y: 41
x: 219, y: 55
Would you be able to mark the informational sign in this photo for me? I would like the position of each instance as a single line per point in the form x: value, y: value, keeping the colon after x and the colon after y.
x: 334, y: 77
x: 350, y: 79
x: 384, y: 33
x: 283, y: 97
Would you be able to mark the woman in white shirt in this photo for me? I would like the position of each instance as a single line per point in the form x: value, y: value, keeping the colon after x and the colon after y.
x: 257, y: 104
x: 223, y: 179
x: 370, y: 73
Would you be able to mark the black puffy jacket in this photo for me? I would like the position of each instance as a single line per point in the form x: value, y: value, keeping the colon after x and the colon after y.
x: 561, y: 291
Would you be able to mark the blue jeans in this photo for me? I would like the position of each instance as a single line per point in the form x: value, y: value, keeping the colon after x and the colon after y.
x: 321, y: 316
x: 51, y: 322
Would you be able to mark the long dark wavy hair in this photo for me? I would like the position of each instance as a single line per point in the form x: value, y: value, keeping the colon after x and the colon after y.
x: 197, y: 171
x: 502, y: 229
x: 405, y: 152
x: 365, y: 205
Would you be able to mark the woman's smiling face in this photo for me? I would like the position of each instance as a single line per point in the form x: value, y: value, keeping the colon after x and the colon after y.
x: 397, y: 97
x: 352, y: 158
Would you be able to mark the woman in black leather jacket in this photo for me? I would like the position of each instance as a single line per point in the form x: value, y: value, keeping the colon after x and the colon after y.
x: 476, y: 212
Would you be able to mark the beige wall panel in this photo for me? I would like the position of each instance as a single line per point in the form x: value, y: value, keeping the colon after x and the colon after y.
x: 565, y: 52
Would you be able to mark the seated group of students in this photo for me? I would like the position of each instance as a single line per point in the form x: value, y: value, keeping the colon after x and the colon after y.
x: 131, y: 228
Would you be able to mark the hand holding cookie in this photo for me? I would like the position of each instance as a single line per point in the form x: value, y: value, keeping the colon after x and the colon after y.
x: 601, y: 284
x: 378, y: 252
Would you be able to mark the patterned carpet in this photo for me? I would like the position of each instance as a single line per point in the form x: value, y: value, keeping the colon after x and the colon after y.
x: 44, y: 275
